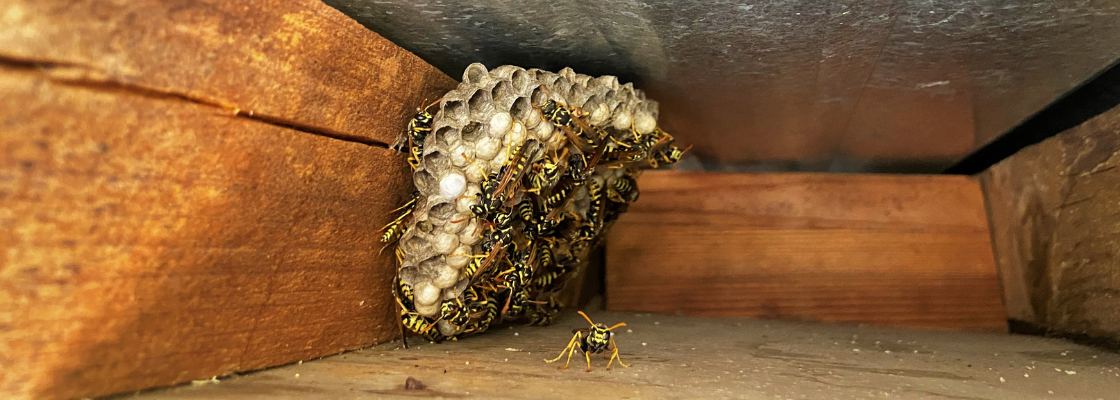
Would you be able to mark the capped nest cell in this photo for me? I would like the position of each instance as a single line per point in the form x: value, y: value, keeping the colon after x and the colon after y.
x: 519, y: 174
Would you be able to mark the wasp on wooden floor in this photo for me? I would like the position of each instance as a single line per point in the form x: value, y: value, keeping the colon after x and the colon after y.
x: 593, y: 340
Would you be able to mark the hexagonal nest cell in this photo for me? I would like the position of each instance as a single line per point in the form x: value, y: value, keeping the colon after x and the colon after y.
x: 519, y: 174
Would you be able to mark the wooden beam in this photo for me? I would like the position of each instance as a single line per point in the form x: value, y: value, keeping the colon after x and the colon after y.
x: 149, y: 241
x: 190, y: 189
x: 299, y: 63
x: 1055, y: 218
x: 884, y: 250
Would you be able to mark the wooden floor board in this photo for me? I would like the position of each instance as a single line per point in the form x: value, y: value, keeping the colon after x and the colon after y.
x: 674, y: 357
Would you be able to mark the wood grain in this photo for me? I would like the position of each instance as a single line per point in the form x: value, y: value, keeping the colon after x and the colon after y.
x: 908, y: 251
x: 674, y: 357
x: 298, y: 63
x: 1056, y: 230
x: 148, y: 241
x: 193, y: 188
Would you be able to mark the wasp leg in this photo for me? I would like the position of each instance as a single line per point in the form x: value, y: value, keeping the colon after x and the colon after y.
x: 614, y: 355
x: 570, y: 344
x: 570, y: 349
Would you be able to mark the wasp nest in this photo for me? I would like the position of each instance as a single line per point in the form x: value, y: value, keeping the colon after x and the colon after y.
x: 518, y: 175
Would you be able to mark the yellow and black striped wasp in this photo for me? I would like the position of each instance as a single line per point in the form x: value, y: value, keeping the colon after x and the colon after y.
x: 543, y: 312
x: 521, y: 273
x: 595, y: 207
x: 557, y: 200
x: 578, y: 131
x: 394, y: 229
x: 546, y: 172
x: 624, y: 190
x: 418, y: 129
x: 483, y: 313
x: 412, y: 320
x: 594, y: 340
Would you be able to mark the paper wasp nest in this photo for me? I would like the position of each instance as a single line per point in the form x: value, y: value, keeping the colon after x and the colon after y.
x: 491, y: 132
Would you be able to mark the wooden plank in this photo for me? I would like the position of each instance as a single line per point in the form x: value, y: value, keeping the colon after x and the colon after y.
x: 884, y: 250
x: 1056, y: 230
x: 299, y: 63
x: 149, y: 240
x: 682, y: 357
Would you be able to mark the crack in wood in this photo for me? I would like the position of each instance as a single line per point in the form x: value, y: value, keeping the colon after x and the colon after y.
x: 84, y: 76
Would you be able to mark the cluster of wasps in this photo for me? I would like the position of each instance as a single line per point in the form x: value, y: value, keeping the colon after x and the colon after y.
x: 533, y: 237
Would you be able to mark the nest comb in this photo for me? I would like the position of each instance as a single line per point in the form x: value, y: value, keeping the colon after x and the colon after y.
x: 464, y: 265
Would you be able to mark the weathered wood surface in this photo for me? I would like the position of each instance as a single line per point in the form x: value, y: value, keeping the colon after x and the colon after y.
x: 174, y: 200
x: 300, y: 63
x: 884, y: 250
x: 148, y: 242
x: 675, y: 357
x: 1056, y: 230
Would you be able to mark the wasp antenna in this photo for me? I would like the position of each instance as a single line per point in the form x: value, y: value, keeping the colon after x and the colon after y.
x: 586, y: 317
x: 616, y: 326
x: 432, y: 104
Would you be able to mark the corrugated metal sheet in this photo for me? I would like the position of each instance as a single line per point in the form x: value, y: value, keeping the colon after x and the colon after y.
x: 790, y: 85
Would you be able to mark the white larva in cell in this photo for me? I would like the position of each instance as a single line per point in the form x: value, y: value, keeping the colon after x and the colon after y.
x: 623, y: 120
x: 463, y: 203
x: 500, y: 123
x: 444, y: 242
x: 599, y: 114
x: 428, y: 310
x: 461, y: 156
x: 497, y: 163
x: 486, y: 148
x: 446, y: 278
x: 460, y: 257
x: 469, y: 235
x: 452, y: 185
x: 543, y: 132
x: 533, y: 120
x: 425, y: 294
x: 644, y: 122
x: 456, y: 223
x: 475, y: 172
x: 517, y: 133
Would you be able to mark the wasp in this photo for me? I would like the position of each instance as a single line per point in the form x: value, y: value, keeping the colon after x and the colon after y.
x: 669, y: 155
x: 487, y: 203
x: 521, y: 272
x: 473, y: 268
x: 599, y: 338
x: 579, y: 132
x: 512, y: 171
x: 418, y: 129
x: 547, y: 172
x: 515, y: 304
x: 545, y: 280
x: 395, y: 228
x: 403, y: 293
x: 502, y: 229
x: 557, y: 200
x: 526, y: 212
x: 453, y: 311
x: 595, y: 208
x: 485, y: 310
x: 544, y: 313
x: 624, y: 190
x: 410, y: 319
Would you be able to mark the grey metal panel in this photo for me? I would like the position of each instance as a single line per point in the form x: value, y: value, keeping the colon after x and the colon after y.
x: 886, y: 85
